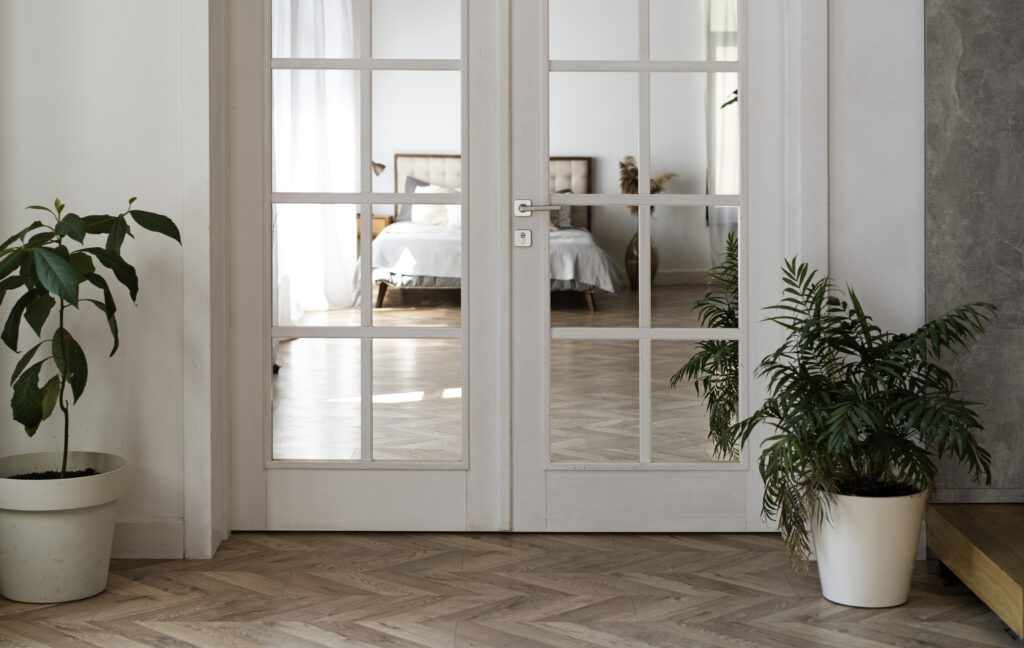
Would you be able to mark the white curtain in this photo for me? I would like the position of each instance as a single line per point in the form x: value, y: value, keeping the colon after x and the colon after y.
x: 723, y: 125
x: 316, y: 147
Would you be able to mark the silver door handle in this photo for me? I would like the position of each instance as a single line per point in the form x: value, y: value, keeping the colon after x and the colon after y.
x: 526, y: 207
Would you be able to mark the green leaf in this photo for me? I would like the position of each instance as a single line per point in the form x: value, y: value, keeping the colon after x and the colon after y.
x: 25, y: 359
x: 124, y: 272
x: 51, y: 391
x: 9, y: 283
x: 70, y: 361
x: 13, y: 325
x: 10, y: 262
x: 156, y: 223
x: 117, y: 233
x: 22, y: 233
x: 41, y: 208
x: 57, y: 275
x: 109, y: 307
x: 38, y: 310
x: 72, y: 226
x: 27, y: 400
x: 82, y: 263
x: 98, y: 224
x: 40, y: 239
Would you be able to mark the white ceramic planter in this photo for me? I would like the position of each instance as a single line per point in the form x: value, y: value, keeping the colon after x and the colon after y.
x: 56, y: 535
x: 866, y: 550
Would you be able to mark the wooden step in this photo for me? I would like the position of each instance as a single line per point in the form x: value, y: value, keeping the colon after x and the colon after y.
x: 983, y: 544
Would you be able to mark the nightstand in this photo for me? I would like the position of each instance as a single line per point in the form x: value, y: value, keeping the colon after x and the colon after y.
x: 380, y: 221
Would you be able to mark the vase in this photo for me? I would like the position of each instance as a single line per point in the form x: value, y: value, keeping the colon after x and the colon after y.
x: 633, y: 261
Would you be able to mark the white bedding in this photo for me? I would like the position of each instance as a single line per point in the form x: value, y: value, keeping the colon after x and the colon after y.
x: 410, y: 249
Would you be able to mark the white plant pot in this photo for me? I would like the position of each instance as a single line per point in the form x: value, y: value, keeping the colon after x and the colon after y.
x: 866, y: 548
x: 56, y: 534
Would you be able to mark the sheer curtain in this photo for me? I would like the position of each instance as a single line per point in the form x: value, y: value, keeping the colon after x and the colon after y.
x: 316, y: 147
x: 723, y: 125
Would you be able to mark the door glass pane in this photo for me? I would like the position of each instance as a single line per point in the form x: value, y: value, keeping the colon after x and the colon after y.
x: 589, y: 282
x: 417, y: 29
x: 593, y: 30
x: 594, y: 413
x: 695, y: 133
x: 315, y: 261
x: 692, y: 246
x: 417, y: 263
x: 680, y: 418
x: 316, y: 411
x: 417, y: 400
x: 596, y: 115
x: 305, y: 29
x: 414, y: 112
x: 694, y: 30
x: 316, y: 130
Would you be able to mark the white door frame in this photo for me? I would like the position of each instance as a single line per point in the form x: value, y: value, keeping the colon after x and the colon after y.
x: 788, y: 71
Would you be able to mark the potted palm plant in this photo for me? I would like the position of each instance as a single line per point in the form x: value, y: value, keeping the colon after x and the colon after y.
x: 57, y: 508
x: 860, y: 416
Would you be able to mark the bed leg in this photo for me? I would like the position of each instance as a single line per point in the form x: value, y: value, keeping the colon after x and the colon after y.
x: 589, y: 296
x: 381, y: 290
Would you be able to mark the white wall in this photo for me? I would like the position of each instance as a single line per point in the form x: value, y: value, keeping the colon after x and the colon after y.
x: 91, y: 112
x: 876, y: 157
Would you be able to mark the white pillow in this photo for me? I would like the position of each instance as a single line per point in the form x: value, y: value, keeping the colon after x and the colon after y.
x: 436, y: 215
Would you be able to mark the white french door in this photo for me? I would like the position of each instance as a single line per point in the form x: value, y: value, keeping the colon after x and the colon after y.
x: 532, y: 402
x: 601, y: 441
x: 349, y: 414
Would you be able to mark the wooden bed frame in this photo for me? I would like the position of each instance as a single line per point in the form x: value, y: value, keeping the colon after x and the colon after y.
x: 580, y: 217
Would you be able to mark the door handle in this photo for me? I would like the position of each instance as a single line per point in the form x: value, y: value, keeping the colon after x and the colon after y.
x: 526, y: 207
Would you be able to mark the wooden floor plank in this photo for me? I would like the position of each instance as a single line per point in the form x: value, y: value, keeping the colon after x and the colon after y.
x: 529, y: 590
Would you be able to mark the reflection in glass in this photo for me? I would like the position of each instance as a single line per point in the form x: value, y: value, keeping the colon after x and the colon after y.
x: 594, y: 413
x: 680, y: 417
x: 417, y: 29
x: 690, y: 240
x: 414, y: 112
x: 694, y: 30
x: 322, y: 29
x: 316, y: 409
x: 315, y: 261
x: 417, y: 263
x: 593, y: 30
x: 316, y: 130
x: 417, y: 400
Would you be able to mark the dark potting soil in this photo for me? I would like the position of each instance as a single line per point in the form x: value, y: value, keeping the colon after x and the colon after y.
x: 866, y: 488
x: 55, y: 474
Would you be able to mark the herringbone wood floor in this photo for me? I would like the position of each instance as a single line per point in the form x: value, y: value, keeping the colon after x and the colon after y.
x: 373, y: 589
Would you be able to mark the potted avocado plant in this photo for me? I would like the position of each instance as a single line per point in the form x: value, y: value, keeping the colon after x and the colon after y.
x: 57, y: 508
x: 860, y: 416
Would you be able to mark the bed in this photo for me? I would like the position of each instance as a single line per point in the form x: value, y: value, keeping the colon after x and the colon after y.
x: 422, y: 248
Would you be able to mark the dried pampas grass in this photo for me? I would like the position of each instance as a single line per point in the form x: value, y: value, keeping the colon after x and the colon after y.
x: 629, y: 179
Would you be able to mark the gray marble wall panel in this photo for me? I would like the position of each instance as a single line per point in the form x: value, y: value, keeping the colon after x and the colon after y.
x: 974, y: 221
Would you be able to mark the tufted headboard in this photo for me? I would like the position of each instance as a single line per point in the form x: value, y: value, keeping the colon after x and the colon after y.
x: 572, y: 173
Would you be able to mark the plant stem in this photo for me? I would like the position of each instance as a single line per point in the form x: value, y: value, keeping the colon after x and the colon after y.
x: 60, y: 398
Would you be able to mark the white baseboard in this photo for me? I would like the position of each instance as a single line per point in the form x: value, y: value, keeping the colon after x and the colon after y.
x: 157, y: 539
